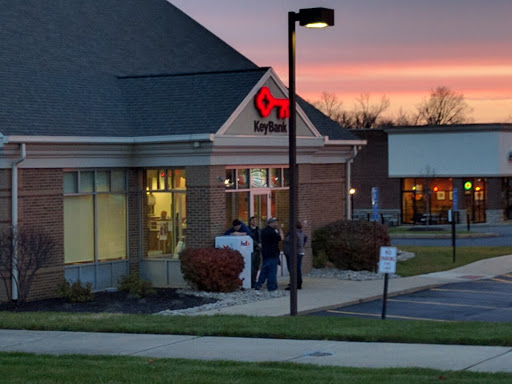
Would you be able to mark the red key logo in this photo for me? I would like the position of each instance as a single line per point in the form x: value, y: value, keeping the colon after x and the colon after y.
x: 265, y: 102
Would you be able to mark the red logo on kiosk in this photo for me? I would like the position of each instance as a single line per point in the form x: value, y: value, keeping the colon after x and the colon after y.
x: 265, y: 102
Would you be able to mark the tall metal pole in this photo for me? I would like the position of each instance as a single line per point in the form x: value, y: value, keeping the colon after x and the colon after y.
x: 293, y: 163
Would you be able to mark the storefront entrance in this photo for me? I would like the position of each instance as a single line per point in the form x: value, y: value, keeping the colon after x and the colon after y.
x: 260, y: 207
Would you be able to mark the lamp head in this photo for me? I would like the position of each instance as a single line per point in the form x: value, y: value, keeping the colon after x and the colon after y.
x: 316, y: 17
x: 352, y: 191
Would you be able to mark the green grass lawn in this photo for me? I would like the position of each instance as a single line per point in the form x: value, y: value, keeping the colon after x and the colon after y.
x: 25, y: 368
x: 436, y: 259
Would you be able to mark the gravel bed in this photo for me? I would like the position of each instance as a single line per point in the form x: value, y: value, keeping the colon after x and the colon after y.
x: 251, y: 295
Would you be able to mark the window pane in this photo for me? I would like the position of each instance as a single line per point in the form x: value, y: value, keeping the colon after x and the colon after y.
x: 161, y: 179
x: 160, y: 226
x: 243, y: 179
x: 86, y: 181
x: 259, y: 178
x: 180, y: 224
x: 152, y: 179
x: 178, y: 179
x: 286, y: 177
x: 111, y: 227
x: 237, y: 207
x: 70, y: 182
x: 78, y: 229
x: 280, y: 207
x: 118, y: 179
x: 275, y: 178
x: 102, y: 181
x: 230, y: 179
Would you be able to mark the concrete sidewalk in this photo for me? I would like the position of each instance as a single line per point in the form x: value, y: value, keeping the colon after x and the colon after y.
x: 327, y: 353
x: 321, y: 294
x: 317, y: 294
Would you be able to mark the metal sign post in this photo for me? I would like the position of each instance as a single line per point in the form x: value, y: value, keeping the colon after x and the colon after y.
x: 387, y: 265
x: 453, y: 217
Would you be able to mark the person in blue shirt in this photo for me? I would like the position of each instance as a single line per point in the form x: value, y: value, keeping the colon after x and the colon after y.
x: 238, y: 229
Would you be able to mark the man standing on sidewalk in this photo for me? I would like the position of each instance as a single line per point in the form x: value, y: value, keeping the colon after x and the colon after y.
x: 270, y: 238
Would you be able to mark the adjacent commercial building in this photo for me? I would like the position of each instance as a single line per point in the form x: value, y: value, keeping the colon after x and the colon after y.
x: 129, y: 132
x: 423, y: 172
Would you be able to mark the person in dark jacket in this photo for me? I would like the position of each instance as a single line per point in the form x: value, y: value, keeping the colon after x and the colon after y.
x: 256, y: 254
x: 301, y: 239
x: 270, y: 238
x: 238, y: 229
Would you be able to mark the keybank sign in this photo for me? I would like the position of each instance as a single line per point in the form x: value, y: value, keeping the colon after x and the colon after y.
x: 265, y: 103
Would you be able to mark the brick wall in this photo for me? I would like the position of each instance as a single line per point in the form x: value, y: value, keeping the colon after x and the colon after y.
x: 134, y: 177
x: 41, y: 208
x: 5, y: 198
x: 370, y: 169
x: 206, y: 205
x: 322, y: 199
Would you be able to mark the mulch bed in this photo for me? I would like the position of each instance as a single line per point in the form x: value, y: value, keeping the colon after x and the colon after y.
x: 115, y: 302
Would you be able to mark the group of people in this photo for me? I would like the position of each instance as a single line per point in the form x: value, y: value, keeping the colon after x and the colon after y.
x: 266, y: 250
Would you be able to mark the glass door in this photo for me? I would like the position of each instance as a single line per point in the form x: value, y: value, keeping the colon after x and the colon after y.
x: 260, y: 206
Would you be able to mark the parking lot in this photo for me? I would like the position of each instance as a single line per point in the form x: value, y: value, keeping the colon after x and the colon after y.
x: 487, y: 300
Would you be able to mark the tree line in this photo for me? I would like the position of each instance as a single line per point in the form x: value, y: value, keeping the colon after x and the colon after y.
x: 443, y: 107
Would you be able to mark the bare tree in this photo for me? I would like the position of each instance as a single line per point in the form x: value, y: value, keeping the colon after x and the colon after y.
x: 23, y: 252
x: 329, y: 104
x: 366, y: 114
x: 444, y: 107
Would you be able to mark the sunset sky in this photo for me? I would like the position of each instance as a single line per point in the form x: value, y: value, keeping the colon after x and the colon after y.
x: 398, y: 48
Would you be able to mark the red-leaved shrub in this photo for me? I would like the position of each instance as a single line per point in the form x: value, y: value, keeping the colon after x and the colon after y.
x: 349, y: 245
x: 212, y: 269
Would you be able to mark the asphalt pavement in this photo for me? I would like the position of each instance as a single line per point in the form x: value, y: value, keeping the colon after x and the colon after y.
x: 316, y: 294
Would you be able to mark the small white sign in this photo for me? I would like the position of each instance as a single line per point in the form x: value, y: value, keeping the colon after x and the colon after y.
x: 387, y: 260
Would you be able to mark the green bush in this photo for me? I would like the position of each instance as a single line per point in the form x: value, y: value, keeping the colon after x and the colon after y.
x: 135, y: 285
x: 349, y: 245
x: 76, y: 292
x: 212, y: 269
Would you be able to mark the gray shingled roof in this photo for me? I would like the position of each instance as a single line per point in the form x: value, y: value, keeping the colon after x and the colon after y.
x: 121, y: 37
x: 61, y: 103
x: 119, y: 68
x: 186, y: 104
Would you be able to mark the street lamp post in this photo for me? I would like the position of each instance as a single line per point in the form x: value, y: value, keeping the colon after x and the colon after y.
x: 352, y: 192
x: 313, y: 18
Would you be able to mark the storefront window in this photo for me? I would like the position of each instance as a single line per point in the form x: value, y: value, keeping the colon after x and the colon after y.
x: 95, y: 226
x: 78, y: 229
x: 286, y: 177
x: 237, y: 207
x: 102, y: 181
x: 259, y: 178
x: 166, y: 221
x: 86, y: 181
x: 243, y: 179
x: 276, y: 179
x: 260, y: 192
x: 230, y: 180
x: 426, y: 200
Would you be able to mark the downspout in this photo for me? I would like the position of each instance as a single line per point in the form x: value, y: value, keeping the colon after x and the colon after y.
x: 14, y: 216
x: 349, y: 181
